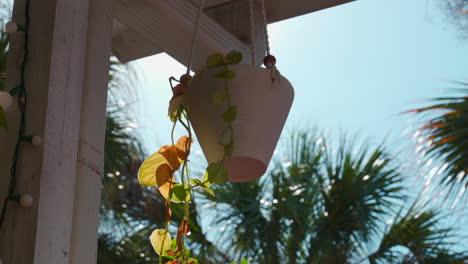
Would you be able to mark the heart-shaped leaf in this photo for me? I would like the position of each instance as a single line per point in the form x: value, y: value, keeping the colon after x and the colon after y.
x: 230, y: 115
x: 225, y: 137
x: 215, y: 60
x: 220, y: 97
x: 180, y: 193
x: 234, y: 57
x: 216, y: 173
x: 147, y: 171
x: 227, y: 74
x: 161, y: 241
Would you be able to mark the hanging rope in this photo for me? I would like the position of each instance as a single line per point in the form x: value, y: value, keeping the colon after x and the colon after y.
x: 269, y: 61
x: 252, y: 32
x: 265, y: 25
x: 192, y: 47
x: 22, y: 100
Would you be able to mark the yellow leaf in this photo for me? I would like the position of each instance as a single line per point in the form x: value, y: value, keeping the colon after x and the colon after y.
x: 161, y: 241
x: 147, y: 171
x: 170, y: 153
x: 183, y: 147
x: 164, y: 178
x: 174, y: 106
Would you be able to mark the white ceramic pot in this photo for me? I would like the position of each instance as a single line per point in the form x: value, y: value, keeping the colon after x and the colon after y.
x: 262, y: 109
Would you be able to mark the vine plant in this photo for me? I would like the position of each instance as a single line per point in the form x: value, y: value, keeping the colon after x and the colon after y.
x: 159, y: 169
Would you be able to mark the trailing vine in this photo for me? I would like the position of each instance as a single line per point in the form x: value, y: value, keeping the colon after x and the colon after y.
x: 159, y: 169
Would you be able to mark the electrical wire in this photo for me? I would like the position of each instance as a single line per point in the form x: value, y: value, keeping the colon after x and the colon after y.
x: 22, y: 102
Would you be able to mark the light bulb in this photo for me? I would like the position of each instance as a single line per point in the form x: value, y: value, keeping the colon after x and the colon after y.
x: 26, y: 200
x: 6, y: 100
x: 36, y: 141
x: 11, y: 27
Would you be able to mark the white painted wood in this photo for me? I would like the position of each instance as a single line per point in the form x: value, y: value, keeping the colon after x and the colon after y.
x: 278, y: 10
x: 92, y: 134
x: 156, y: 26
x: 170, y: 24
x: 62, y: 126
x: 124, y: 43
x: 54, y: 78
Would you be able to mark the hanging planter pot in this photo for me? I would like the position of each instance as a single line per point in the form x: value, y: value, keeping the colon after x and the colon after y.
x: 262, y: 105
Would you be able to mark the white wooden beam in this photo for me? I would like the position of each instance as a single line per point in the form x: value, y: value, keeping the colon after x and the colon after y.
x: 90, y: 165
x: 62, y: 118
x: 58, y: 229
x: 170, y: 25
x: 278, y: 10
x: 130, y: 45
x: 155, y: 26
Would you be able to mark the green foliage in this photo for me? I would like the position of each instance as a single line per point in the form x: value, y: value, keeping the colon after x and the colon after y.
x: 220, y: 97
x: 181, y: 193
x: 230, y: 115
x: 215, y: 60
x: 216, y: 173
x: 227, y: 74
x: 234, y: 57
x: 326, y: 205
x: 445, y: 132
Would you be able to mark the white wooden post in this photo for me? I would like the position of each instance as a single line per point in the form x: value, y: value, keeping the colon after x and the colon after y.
x: 66, y: 78
x: 92, y: 134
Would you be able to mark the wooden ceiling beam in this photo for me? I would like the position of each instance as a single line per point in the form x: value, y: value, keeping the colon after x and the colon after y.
x: 146, y: 27
x: 167, y: 26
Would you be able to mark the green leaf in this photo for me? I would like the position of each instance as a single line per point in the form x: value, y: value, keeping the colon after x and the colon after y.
x: 190, y: 260
x: 220, y: 97
x: 244, y: 261
x: 147, y: 171
x: 230, y: 115
x: 234, y: 57
x: 227, y: 74
x: 195, y: 182
x: 215, y: 60
x: 228, y: 149
x: 161, y: 241
x: 180, y: 193
x: 3, y: 121
x: 225, y: 137
x: 208, y: 190
x: 216, y: 173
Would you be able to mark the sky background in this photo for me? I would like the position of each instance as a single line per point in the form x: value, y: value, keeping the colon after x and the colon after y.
x: 354, y: 68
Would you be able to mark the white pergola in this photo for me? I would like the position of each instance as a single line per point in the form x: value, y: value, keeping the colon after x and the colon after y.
x: 70, y: 42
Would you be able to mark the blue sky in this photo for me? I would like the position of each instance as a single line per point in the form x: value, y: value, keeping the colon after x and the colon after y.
x: 354, y: 67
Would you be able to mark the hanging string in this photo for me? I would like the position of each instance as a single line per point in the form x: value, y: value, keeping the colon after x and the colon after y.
x: 22, y: 100
x: 265, y: 25
x: 252, y: 32
x: 192, y: 47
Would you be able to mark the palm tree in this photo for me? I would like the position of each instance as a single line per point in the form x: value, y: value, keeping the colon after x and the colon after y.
x: 445, y: 133
x: 327, y: 206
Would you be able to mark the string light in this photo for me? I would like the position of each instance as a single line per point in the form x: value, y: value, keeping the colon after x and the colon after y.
x: 6, y: 100
x: 11, y: 27
x: 21, y: 92
x: 24, y: 200
x: 34, y: 140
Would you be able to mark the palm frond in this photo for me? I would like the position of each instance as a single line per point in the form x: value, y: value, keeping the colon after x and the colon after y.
x: 445, y: 133
x: 359, y: 186
x: 421, y: 232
